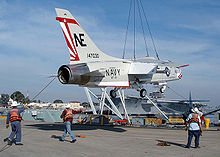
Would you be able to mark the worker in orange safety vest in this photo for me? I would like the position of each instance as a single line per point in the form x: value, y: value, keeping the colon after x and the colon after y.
x: 67, y: 116
x: 14, y: 118
x: 193, y: 125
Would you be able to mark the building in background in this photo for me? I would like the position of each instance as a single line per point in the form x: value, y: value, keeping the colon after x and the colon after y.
x: 75, y: 105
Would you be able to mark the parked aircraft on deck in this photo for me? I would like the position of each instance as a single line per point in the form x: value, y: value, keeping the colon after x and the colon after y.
x: 90, y: 67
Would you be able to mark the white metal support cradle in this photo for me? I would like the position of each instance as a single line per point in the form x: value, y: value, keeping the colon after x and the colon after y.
x: 102, y: 103
x: 155, y: 105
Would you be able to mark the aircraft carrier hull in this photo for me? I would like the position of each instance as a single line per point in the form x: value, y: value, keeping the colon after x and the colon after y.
x: 139, y: 106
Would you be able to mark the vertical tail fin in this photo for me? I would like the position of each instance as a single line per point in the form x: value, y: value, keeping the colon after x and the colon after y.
x: 81, y: 47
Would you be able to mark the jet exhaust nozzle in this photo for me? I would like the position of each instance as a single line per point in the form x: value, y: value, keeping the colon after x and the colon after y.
x: 73, y: 74
x: 64, y: 74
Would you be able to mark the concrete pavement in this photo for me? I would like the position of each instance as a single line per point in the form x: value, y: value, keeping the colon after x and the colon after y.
x: 41, y: 139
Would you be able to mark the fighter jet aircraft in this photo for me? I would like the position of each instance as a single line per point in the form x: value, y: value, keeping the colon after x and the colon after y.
x: 90, y: 67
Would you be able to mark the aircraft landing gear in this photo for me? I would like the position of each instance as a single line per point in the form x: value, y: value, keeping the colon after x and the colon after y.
x: 113, y: 93
x: 139, y: 87
x: 143, y: 93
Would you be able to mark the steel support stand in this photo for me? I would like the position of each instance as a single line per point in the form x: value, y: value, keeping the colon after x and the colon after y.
x: 102, y: 101
x: 157, y: 107
x: 122, y: 97
x: 90, y: 100
x: 113, y: 106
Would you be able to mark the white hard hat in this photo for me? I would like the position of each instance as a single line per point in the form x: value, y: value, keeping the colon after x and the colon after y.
x: 196, y: 109
x: 198, y: 112
x: 14, y: 104
x: 192, y: 110
x: 68, y: 106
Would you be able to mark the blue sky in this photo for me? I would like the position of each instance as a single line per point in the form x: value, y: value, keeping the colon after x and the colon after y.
x: 32, y: 43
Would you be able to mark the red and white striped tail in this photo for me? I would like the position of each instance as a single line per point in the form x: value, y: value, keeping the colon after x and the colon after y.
x: 69, y: 39
x: 82, y: 49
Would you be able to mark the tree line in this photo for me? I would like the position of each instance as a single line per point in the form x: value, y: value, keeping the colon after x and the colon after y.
x: 19, y: 97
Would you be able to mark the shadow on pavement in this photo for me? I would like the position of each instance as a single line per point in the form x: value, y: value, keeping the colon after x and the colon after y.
x: 65, y: 140
x: 59, y: 137
x: 172, y: 143
x: 56, y: 137
x: 60, y: 127
x: 5, y: 147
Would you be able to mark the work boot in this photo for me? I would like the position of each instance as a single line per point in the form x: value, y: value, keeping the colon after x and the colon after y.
x: 19, y: 144
x: 6, y: 139
x: 9, y: 142
x: 73, y: 141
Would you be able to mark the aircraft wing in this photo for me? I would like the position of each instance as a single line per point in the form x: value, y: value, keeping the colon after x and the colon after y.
x: 161, y: 62
x: 211, y: 112
x: 141, y: 68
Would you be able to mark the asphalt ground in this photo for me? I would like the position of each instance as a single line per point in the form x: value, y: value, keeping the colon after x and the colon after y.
x: 42, y: 139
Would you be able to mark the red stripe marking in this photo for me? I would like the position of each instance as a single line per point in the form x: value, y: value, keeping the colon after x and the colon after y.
x: 66, y: 20
x: 114, y: 86
x: 70, y: 47
x: 68, y: 43
x: 73, y: 70
x: 184, y: 66
x: 121, y: 121
x: 72, y: 56
x: 68, y: 30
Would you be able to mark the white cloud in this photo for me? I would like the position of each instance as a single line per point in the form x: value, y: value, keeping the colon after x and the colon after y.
x: 210, y: 26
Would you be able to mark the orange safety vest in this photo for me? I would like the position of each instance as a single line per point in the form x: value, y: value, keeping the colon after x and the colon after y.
x: 14, y: 115
x: 194, y: 119
x: 68, y: 115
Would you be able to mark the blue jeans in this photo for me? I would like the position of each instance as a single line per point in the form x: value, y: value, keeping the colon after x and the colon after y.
x: 16, y: 130
x: 67, y: 129
x: 196, y: 133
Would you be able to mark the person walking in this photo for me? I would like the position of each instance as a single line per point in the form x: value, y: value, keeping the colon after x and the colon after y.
x: 194, y: 128
x: 14, y: 118
x: 67, y: 116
